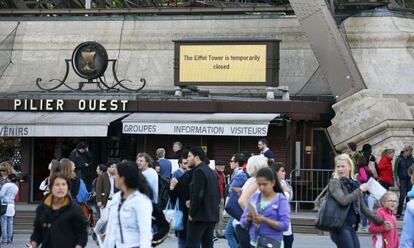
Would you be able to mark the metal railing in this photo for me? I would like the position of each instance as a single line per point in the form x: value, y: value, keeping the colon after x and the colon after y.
x: 130, y: 4
x: 308, y: 185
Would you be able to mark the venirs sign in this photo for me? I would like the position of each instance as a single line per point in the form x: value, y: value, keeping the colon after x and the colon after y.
x: 101, y: 105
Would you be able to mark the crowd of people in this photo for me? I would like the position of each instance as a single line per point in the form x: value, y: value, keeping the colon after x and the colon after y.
x: 127, y: 199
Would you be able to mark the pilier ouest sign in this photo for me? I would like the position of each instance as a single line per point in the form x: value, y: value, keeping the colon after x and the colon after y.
x: 60, y: 105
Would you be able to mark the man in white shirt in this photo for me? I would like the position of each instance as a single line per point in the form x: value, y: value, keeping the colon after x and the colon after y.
x: 145, y: 163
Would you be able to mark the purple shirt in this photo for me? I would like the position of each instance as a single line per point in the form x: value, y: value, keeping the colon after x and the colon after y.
x: 278, y: 210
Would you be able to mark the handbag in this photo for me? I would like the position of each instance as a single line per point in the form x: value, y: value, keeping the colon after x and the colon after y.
x: 3, y: 209
x: 174, y: 216
x: 331, y: 215
x: 265, y: 242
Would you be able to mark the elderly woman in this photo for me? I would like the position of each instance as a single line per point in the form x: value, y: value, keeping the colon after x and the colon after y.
x: 348, y: 192
x: 254, y: 164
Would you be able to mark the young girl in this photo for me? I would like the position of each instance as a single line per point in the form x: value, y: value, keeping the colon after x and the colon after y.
x: 267, y: 214
x: 386, y: 235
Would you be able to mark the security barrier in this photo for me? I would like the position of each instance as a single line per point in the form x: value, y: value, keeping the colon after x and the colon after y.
x: 308, y: 184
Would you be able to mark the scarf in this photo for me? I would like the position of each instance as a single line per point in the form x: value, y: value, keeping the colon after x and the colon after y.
x: 351, y: 185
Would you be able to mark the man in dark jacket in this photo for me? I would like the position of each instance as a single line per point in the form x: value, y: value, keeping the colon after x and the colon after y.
x: 180, y: 189
x: 401, y: 176
x: 81, y: 157
x: 204, y: 201
x: 105, y: 189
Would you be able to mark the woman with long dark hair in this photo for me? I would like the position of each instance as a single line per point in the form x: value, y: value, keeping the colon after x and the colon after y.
x: 59, y: 220
x: 130, y: 210
x: 268, y: 213
x: 280, y: 171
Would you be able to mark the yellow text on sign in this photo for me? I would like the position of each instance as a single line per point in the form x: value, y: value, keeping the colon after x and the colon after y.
x: 223, y: 63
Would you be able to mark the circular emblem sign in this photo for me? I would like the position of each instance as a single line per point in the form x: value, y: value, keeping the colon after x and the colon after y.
x: 89, y: 60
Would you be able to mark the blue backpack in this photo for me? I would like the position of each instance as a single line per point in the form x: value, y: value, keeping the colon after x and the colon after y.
x: 83, y: 194
x: 232, y: 206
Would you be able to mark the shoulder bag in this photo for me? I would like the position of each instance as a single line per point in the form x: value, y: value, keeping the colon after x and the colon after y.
x: 174, y: 216
x: 331, y: 215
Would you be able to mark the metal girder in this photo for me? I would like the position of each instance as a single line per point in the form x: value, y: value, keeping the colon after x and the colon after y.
x: 329, y: 47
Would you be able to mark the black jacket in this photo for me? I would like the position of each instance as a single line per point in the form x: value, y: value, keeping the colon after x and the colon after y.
x: 63, y: 228
x: 182, y: 193
x: 204, y: 195
x: 80, y: 159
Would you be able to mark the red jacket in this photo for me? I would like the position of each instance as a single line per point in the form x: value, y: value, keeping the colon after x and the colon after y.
x: 385, y: 170
x: 389, y: 238
x: 222, y: 183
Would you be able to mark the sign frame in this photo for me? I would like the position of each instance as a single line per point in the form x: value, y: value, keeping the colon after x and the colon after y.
x: 272, y: 60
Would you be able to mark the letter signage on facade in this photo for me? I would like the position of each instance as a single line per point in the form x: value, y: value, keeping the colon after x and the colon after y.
x: 195, y: 129
x: 57, y: 105
x: 227, y: 62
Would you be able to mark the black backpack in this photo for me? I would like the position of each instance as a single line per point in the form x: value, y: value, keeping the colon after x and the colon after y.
x: 163, y: 191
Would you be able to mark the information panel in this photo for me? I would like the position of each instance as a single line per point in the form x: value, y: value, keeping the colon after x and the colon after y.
x: 227, y: 62
x: 223, y: 63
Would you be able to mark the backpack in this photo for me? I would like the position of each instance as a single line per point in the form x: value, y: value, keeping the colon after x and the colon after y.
x: 163, y: 192
x: 362, y: 175
x: 232, y: 206
x: 83, y: 194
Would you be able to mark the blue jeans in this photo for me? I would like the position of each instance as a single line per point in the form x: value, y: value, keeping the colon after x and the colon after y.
x: 364, y: 220
x: 181, y: 242
x: 346, y: 238
x: 229, y: 234
x: 6, y: 228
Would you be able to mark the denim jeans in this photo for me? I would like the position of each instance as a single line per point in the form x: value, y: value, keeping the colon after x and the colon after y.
x: 345, y: 238
x: 405, y: 187
x: 6, y: 228
x: 364, y: 220
x: 103, y: 220
x: 229, y: 234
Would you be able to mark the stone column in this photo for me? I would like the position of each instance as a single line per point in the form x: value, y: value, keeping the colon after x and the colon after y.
x: 369, y: 117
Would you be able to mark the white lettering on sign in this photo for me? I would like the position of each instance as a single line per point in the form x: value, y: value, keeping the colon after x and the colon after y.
x: 195, y: 129
x: 59, y: 105
x: 14, y: 131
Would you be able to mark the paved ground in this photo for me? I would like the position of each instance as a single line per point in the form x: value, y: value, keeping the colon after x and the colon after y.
x: 301, y: 241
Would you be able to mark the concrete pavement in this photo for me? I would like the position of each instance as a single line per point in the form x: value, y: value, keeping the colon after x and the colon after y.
x: 301, y: 241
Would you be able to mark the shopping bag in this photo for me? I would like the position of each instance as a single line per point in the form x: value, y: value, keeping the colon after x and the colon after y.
x: 174, y: 216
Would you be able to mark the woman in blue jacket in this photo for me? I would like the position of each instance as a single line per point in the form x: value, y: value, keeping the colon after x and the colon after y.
x: 129, y: 222
x: 267, y: 215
